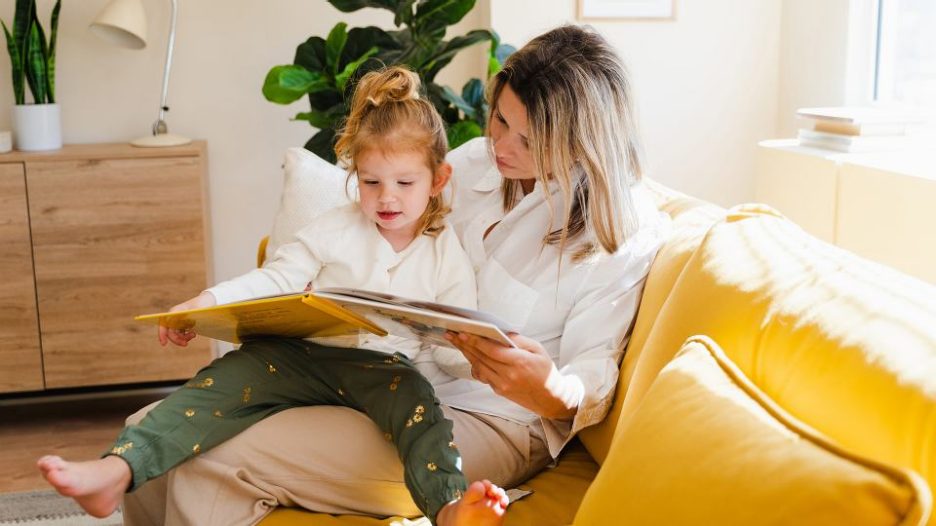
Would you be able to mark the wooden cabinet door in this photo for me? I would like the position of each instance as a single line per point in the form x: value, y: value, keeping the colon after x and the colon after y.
x: 112, y: 239
x: 20, y: 358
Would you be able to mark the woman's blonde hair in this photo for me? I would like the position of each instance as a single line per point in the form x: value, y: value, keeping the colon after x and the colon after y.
x: 582, y: 133
x: 388, y: 113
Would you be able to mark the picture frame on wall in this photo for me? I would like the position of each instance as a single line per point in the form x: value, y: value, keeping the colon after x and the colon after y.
x: 626, y: 9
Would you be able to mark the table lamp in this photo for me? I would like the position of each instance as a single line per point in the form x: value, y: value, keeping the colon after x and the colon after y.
x: 123, y: 22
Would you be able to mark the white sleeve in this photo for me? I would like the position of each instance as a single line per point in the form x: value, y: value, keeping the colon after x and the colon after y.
x: 456, y: 280
x: 596, y: 332
x: 292, y: 267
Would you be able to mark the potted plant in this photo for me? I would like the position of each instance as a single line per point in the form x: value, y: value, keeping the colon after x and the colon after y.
x: 37, y: 126
x: 327, y: 69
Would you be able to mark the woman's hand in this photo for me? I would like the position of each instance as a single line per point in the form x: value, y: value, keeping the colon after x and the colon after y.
x: 182, y: 337
x: 525, y: 375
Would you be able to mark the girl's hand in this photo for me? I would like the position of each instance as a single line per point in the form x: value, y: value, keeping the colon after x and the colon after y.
x: 182, y: 337
x: 525, y: 375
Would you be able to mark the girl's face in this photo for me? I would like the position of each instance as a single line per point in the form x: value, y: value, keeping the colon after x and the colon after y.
x: 395, y: 188
x: 509, y: 132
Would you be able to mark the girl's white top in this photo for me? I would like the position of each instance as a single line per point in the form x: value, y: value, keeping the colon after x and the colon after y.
x: 343, y: 248
x: 582, y: 313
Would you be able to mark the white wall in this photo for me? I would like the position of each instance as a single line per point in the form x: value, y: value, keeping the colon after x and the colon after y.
x: 826, y: 56
x: 224, y: 49
x: 706, y: 84
x: 709, y: 85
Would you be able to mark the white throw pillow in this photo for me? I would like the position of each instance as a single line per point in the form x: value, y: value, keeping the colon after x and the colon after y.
x: 311, y: 186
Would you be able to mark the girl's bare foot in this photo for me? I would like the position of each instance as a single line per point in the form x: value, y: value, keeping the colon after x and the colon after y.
x: 97, y: 485
x: 483, y: 504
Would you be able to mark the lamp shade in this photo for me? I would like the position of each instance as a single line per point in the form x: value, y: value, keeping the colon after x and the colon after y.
x: 122, y: 22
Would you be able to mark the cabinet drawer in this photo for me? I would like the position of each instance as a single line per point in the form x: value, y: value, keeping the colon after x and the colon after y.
x: 20, y: 358
x: 113, y: 238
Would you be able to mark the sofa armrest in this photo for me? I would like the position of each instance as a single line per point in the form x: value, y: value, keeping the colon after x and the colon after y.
x: 261, y: 250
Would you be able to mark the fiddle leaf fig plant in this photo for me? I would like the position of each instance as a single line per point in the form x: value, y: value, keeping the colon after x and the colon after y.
x: 32, y: 59
x: 326, y: 70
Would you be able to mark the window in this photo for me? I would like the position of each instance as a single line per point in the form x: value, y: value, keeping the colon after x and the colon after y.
x: 905, y: 61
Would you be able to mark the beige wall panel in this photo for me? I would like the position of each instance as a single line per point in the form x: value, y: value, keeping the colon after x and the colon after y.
x: 889, y: 218
x: 799, y: 185
x: 20, y: 358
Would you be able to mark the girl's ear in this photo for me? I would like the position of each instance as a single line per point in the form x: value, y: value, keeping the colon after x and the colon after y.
x: 442, y: 175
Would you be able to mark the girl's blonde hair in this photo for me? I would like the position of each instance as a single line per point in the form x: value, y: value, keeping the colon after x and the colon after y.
x: 388, y: 113
x: 582, y: 134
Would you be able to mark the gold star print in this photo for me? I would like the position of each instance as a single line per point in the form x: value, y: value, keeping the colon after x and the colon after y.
x: 218, y: 414
x: 431, y: 466
x: 190, y: 412
x: 119, y: 450
x: 196, y: 449
x: 271, y: 368
x: 246, y: 396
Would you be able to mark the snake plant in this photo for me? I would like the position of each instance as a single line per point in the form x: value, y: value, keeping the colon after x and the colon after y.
x: 327, y: 69
x: 31, y: 57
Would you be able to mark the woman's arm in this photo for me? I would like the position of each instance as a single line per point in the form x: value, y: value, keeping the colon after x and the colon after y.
x: 525, y: 375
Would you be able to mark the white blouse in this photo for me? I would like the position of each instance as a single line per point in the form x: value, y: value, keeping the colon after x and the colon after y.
x: 581, y: 313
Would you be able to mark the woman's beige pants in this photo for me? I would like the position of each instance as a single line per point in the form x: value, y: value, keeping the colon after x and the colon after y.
x: 327, y: 459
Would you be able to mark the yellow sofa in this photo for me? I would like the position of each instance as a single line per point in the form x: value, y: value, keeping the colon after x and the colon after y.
x: 823, y: 409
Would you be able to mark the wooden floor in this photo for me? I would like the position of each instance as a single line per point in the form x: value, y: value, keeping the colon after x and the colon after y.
x: 75, y: 429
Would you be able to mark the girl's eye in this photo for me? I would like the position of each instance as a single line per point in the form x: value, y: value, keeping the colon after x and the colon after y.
x: 404, y: 183
x: 369, y: 182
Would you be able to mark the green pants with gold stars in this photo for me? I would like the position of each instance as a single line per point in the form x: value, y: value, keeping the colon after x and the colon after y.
x: 268, y: 375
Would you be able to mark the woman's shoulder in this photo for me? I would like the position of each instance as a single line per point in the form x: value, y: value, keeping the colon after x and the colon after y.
x: 471, y: 161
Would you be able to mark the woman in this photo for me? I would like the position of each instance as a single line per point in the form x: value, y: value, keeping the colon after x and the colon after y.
x: 561, y: 236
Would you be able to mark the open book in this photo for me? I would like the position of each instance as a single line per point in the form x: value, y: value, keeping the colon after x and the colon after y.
x: 334, y: 312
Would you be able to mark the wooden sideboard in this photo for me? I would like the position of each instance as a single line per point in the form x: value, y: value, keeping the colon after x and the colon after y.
x: 91, y: 236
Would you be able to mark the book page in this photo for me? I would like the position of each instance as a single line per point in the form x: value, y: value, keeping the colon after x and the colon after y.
x: 425, y: 324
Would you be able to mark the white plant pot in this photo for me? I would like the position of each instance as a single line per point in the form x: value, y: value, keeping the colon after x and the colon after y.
x: 37, y: 127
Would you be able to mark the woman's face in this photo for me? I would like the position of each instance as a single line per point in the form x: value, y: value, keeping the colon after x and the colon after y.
x: 511, y: 137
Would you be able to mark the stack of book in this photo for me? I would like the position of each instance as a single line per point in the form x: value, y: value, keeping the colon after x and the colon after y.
x: 855, y: 129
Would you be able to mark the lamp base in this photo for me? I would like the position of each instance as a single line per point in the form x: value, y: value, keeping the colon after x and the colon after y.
x: 161, y: 140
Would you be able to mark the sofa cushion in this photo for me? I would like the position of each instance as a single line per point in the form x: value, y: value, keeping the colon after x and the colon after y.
x: 557, y: 493
x: 691, y: 220
x: 846, y: 345
x: 311, y: 186
x: 706, y: 446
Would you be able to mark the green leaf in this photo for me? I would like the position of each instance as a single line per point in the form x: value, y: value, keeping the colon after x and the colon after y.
x: 458, y: 101
x: 473, y: 93
x: 36, y: 53
x: 462, y: 132
x: 19, y: 93
x: 444, y: 54
x: 323, y: 119
x: 342, y: 78
x: 311, y: 54
x: 323, y: 144
x: 404, y: 13
x: 432, y: 15
x: 348, y: 6
x: 288, y: 83
x: 50, y: 69
x: 362, y: 39
x: 334, y: 45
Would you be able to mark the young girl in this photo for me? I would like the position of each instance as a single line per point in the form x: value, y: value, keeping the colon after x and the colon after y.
x: 393, y: 240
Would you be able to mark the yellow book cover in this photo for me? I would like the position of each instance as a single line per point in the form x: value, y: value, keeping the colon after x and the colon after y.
x: 335, y: 312
x: 299, y: 315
